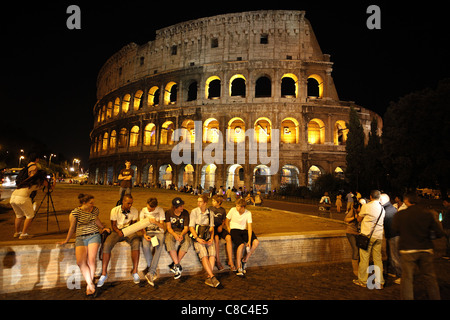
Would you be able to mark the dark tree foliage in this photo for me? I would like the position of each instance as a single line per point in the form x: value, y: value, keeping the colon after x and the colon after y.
x: 416, y: 136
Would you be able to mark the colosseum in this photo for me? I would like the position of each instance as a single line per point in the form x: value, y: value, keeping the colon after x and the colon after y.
x: 218, y: 77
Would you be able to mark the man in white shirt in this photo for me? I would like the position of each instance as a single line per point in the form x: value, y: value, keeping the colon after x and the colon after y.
x: 372, y: 215
x: 239, y: 224
x: 121, y: 217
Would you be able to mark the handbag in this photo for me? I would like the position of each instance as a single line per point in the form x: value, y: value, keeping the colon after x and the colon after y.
x: 362, y: 240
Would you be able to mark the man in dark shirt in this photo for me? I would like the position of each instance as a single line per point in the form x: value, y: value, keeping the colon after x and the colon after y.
x: 177, y: 223
x: 416, y: 226
x: 126, y: 183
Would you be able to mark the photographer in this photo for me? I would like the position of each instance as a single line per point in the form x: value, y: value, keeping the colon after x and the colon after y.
x: 201, y: 225
x: 22, y: 204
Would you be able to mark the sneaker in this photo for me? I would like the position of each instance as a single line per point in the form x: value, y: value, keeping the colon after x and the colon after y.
x: 240, y: 272
x: 244, y: 266
x: 102, y: 280
x: 209, y: 282
x: 215, y: 282
x: 17, y: 234
x: 172, y: 267
x: 359, y: 283
x: 25, y: 236
x: 178, y: 269
x: 150, y: 279
x: 136, y: 278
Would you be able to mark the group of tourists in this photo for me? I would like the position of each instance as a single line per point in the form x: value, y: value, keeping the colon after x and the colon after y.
x: 176, y: 228
x: 409, y: 228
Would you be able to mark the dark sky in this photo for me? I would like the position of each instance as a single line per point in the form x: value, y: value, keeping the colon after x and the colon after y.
x: 49, y: 73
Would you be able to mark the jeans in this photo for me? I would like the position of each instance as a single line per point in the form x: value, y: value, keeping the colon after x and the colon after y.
x: 152, y: 260
x: 394, y: 257
x: 424, y: 261
x: 374, y: 249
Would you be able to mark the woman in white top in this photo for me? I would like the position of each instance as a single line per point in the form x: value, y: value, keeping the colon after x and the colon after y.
x: 22, y: 205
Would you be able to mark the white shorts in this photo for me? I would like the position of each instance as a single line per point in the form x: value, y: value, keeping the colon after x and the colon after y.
x: 22, y: 206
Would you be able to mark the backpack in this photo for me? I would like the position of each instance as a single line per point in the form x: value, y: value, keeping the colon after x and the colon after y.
x: 23, y: 175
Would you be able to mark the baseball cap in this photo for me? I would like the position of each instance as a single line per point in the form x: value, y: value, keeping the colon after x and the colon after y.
x: 176, y: 202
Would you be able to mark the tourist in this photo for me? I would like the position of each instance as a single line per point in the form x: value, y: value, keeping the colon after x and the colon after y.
x: 201, y: 226
x: 153, y: 237
x: 84, y: 221
x: 352, y: 220
x: 122, y: 216
x: 239, y: 225
x: 338, y: 203
x: 125, y: 176
x: 392, y: 237
x: 258, y: 199
x: 373, y: 218
x: 22, y: 203
x: 349, y: 198
x: 220, y: 232
x: 415, y: 225
x: 177, y: 225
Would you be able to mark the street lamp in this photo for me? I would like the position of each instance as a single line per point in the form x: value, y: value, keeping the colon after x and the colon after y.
x: 50, y: 159
x: 20, y: 159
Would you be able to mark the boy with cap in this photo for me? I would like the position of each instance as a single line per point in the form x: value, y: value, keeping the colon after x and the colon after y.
x: 177, y: 223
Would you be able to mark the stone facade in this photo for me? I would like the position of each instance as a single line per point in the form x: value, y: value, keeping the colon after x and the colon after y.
x: 260, y: 70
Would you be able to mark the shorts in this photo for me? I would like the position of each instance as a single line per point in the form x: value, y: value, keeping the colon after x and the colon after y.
x: 133, y: 240
x: 84, y: 241
x: 223, y: 234
x: 171, y: 242
x: 22, y: 206
x: 204, y: 250
x: 239, y: 236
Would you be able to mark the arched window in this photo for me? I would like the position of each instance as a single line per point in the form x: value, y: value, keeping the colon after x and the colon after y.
x: 236, y: 130
x: 289, y: 175
x: 113, y: 140
x: 123, y: 138
x: 289, y: 131
x: 189, y: 125
x: 212, y: 89
x: 166, y: 133
x: 109, y: 110
x: 105, y: 141
x: 289, y: 85
x: 263, y: 87
x: 263, y: 130
x: 116, y: 107
x: 340, y: 133
x: 153, y: 96
x: 134, y: 136
x: 150, y: 135
x: 126, y: 103
x: 192, y: 91
x: 211, y: 130
x: 170, y: 93
x: 237, y: 85
x: 137, y: 104
x: 313, y: 173
x: 315, y: 86
x: 316, y: 132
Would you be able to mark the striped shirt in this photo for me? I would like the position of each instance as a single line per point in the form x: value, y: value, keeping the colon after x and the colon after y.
x: 85, y: 221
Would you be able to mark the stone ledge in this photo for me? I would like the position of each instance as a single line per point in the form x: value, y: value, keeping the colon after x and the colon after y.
x: 44, y: 264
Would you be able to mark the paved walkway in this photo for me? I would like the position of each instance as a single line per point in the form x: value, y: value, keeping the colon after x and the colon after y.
x: 310, y: 281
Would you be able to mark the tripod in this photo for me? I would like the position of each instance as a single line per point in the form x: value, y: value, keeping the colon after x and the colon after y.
x: 48, y: 195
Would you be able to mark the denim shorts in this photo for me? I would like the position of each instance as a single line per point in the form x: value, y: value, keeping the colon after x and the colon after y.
x: 84, y: 241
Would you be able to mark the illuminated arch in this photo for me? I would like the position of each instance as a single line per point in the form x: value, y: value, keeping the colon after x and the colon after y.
x: 319, y: 83
x: 237, y: 89
x: 170, y: 96
x: 126, y: 103
x: 167, y: 130
x: 289, y: 130
x: 209, y: 87
x: 134, y: 136
x: 316, y: 131
x: 153, y: 96
x: 263, y: 129
x: 150, y: 134
x: 236, y: 130
x: 340, y: 132
x: 294, y: 79
x: 211, y: 130
x: 137, y: 100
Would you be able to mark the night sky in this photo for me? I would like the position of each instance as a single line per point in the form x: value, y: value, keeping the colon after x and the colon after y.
x: 49, y: 72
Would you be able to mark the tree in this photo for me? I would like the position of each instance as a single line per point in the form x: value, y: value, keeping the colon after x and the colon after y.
x: 355, y: 150
x: 373, y: 172
x: 415, y: 140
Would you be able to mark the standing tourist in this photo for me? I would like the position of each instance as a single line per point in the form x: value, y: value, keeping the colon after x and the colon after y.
x: 126, y: 182
x: 415, y: 226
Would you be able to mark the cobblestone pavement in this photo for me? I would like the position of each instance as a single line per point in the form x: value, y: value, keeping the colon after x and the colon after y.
x: 310, y: 281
